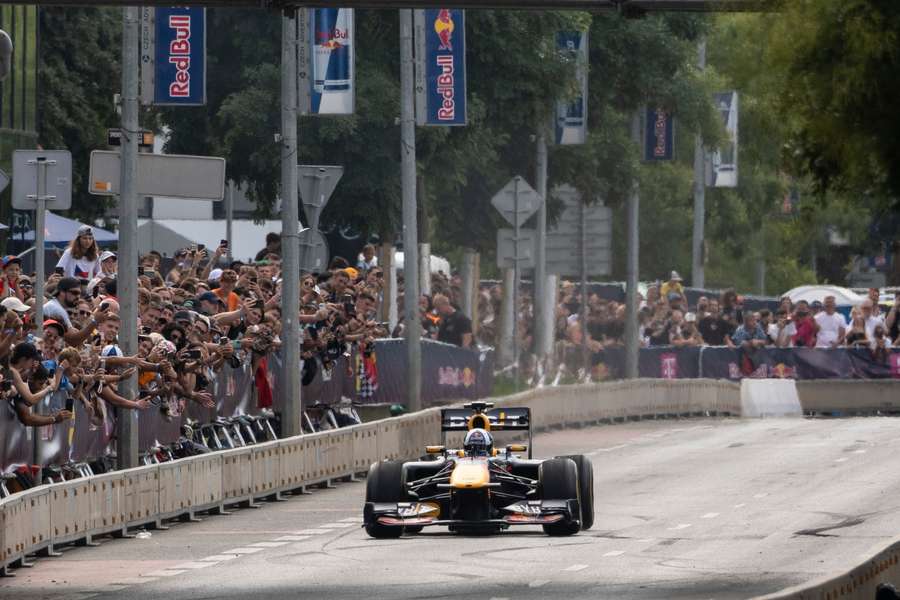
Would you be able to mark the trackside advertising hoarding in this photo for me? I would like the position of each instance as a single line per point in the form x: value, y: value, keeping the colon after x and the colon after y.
x: 571, y: 114
x: 440, y: 38
x: 179, y: 70
x: 325, y: 61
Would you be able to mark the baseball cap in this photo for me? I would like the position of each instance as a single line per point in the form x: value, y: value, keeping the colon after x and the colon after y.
x: 353, y: 273
x: 68, y: 283
x: 85, y: 230
x: 108, y: 254
x: 14, y: 304
x: 675, y: 276
x: 10, y: 259
x: 215, y: 274
x: 209, y: 297
x: 53, y: 323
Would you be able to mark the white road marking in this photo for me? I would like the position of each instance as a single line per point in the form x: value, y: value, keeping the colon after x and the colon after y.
x: 310, y: 532
x: 352, y: 520
x: 292, y: 538
x: 538, y: 583
x: 842, y: 459
x: 859, y: 452
x: 646, y: 541
x: 574, y: 568
x: 164, y: 573
x: 761, y: 495
x: 680, y: 526
x: 243, y: 550
x: 219, y: 557
x: 614, y: 553
x: 336, y: 525
x: 268, y: 544
x: 710, y: 516
x: 741, y: 505
x: 194, y: 565
x: 496, y: 598
x: 619, y: 447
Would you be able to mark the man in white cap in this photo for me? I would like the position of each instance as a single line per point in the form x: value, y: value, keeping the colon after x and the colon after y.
x: 108, y: 263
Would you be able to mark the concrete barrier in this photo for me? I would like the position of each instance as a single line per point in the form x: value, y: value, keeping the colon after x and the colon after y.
x: 34, y: 520
x: 850, y: 396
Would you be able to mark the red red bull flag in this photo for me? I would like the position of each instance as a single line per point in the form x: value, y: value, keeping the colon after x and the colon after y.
x: 440, y: 66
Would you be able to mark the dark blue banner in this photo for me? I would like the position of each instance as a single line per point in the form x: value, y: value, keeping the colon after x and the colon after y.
x: 571, y: 115
x: 659, y: 135
x: 440, y: 67
x: 180, y: 72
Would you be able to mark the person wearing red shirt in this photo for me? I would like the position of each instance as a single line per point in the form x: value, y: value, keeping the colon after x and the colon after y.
x: 806, y: 327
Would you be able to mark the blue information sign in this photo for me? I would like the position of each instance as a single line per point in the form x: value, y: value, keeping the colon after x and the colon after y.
x: 659, y: 135
x: 440, y: 67
x: 180, y: 76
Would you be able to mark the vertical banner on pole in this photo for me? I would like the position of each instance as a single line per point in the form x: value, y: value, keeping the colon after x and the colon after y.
x: 571, y: 114
x: 440, y: 79
x: 722, y: 166
x: 148, y: 54
x: 659, y: 135
x: 180, y: 51
x: 325, y: 61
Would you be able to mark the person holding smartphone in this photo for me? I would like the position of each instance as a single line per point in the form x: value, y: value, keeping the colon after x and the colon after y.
x: 36, y: 383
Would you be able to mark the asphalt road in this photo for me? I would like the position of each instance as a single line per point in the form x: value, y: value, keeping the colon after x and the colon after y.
x: 684, y: 509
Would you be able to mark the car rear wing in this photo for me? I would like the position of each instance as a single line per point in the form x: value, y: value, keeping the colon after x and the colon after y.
x: 495, y: 419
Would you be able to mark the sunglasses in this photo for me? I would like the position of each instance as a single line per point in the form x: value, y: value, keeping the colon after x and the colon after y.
x: 84, y: 313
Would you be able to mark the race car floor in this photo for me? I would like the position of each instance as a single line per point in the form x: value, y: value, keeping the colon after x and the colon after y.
x: 713, y: 508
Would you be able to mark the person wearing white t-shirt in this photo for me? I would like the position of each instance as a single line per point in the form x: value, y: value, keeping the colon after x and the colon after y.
x: 832, y: 326
x: 81, y: 259
x: 872, y: 320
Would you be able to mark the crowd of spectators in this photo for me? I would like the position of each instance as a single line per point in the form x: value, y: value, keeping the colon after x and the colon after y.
x: 200, y: 315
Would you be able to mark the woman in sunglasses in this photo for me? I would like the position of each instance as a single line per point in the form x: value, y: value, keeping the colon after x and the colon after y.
x: 82, y: 258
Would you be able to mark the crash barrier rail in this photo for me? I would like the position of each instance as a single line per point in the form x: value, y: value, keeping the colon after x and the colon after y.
x: 36, y: 520
x: 448, y: 373
x: 719, y: 362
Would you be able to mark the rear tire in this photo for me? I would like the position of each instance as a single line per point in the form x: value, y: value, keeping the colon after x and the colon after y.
x: 559, y: 481
x: 385, y: 484
x: 585, y: 488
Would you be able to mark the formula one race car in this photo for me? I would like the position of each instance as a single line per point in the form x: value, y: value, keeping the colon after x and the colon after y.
x: 480, y: 489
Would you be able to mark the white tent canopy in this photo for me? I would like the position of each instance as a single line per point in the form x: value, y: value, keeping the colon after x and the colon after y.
x: 811, y: 293
x: 170, y: 235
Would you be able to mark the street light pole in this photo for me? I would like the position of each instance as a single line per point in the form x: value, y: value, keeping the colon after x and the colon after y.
x: 632, y: 344
x: 127, y: 421
x: 698, y: 277
x: 290, y: 235
x: 412, y: 330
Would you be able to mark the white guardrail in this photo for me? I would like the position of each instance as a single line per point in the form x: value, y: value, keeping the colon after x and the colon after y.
x: 33, y: 521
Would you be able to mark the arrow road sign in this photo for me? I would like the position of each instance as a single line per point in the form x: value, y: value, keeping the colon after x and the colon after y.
x: 505, y: 201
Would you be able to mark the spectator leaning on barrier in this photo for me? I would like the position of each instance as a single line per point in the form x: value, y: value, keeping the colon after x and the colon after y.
x: 831, y: 326
x: 892, y: 322
x: 805, y: 327
x: 749, y: 338
x: 872, y: 320
x: 713, y: 327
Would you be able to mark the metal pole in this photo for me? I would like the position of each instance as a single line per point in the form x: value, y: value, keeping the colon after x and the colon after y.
x: 412, y: 331
x: 39, y: 218
x: 543, y: 325
x: 229, y: 218
x: 631, y: 325
x: 582, y: 317
x: 290, y: 295
x: 698, y: 276
x: 468, y: 282
x: 515, y: 289
x: 127, y: 421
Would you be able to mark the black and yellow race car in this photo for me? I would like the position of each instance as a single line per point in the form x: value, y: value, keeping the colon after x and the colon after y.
x: 480, y: 488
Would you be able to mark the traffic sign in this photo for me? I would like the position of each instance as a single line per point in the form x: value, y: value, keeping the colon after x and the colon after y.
x: 56, y: 169
x: 4, y: 180
x: 506, y: 248
x: 316, y: 251
x: 172, y: 175
x: 317, y: 183
x: 564, y: 241
x: 529, y: 201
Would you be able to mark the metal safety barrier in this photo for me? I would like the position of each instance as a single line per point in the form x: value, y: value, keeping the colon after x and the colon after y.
x: 35, y: 520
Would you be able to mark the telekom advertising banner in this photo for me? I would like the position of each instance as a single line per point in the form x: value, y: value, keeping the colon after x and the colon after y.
x: 570, y: 126
x: 440, y: 36
x: 179, y: 70
x: 325, y: 61
x: 659, y: 135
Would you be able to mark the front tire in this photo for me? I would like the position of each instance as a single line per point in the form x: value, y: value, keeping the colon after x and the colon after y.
x: 385, y: 484
x: 585, y: 488
x: 559, y: 481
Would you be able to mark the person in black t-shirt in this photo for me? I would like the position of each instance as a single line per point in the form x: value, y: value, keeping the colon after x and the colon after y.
x: 714, y: 327
x: 455, y: 328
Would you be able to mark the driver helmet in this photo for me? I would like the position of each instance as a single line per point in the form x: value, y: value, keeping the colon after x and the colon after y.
x: 478, y: 442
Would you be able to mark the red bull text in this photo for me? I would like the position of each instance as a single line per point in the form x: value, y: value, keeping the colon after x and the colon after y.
x: 180, y: 55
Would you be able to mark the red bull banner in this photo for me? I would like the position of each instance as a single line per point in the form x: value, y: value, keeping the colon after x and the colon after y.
x: 440, y: 66
x: 325, y: 61
x: 173, y: 56
x: 659, y: 135
x: 570, y: 126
